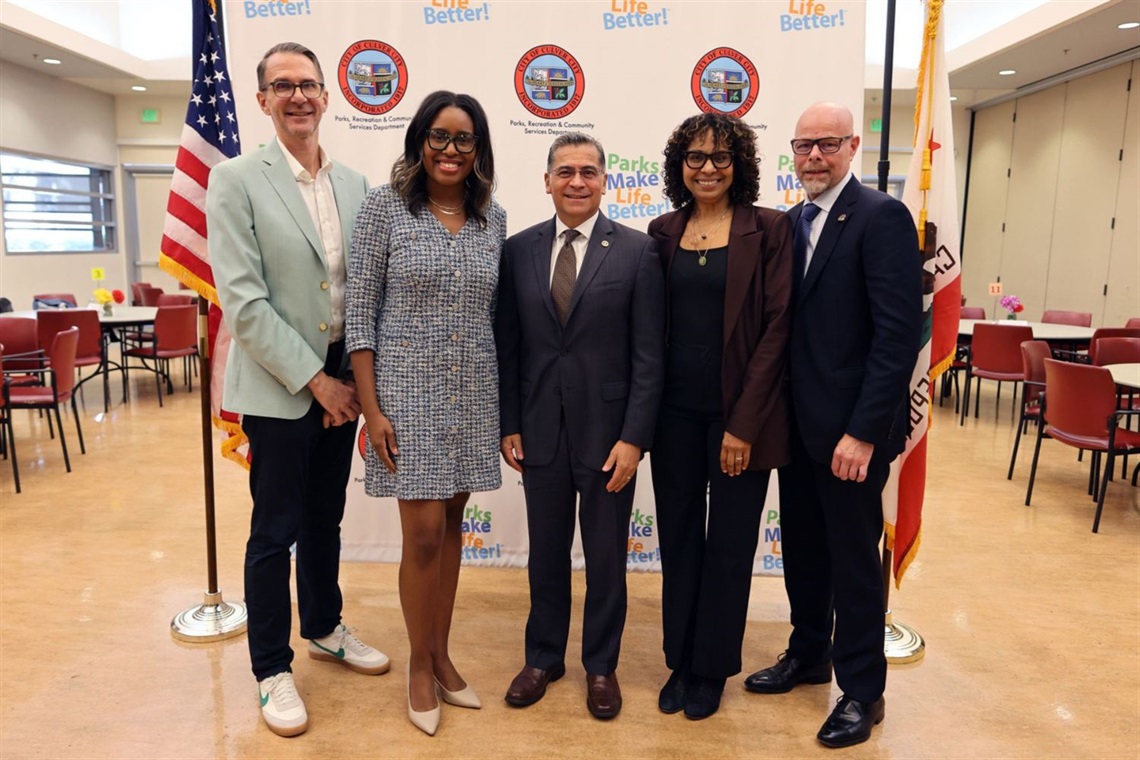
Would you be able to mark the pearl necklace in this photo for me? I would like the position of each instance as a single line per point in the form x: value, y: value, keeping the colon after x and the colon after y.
x: 449, y: 210
x: 702, y: 255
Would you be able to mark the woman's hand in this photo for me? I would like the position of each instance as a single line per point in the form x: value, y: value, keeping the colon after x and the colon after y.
x: 383, y: 438
x: 735, y: 454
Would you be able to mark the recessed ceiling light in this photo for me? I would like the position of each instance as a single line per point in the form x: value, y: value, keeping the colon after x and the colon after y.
x: 138, y: 88
x: 1007, y: 72
x: 953, y: 98
x: 53, y: 61
x: 1128, y: 25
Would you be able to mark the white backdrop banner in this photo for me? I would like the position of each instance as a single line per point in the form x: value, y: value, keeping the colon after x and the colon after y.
x: 624, y: 71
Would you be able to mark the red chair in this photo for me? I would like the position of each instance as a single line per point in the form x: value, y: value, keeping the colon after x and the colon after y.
x: 22, y: 354
x: 972, y: 312
x: 136, y: 294
x: 148, y: 296
x: 961, y: 354
x: 1116, y: 351
x: 175, y: 299
x: 51, y: 300
x: 61, y: 367
x: 7, y: 439
x: 175, y: 335
x: 1033, y: 356
x: 1077, y: 318
x: 995, y: 354
x: 1133, y: 323
x: 1080, y: 411
x: 1109, y: 332
x: 91, y: 351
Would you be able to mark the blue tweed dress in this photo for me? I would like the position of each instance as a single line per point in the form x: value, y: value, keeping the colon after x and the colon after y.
x: 424, y: 301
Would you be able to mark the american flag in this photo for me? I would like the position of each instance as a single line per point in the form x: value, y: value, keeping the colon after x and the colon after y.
x: 209, y: 136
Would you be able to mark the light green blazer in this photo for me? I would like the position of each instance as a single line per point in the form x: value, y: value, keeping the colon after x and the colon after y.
x: 272, y: 278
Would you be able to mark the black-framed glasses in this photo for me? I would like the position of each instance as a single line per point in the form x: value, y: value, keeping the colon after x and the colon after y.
x: 589, y: 173
x: 696, y: 159
x: 464, y: 142
x: 825, y: 144
x: 283, y: 88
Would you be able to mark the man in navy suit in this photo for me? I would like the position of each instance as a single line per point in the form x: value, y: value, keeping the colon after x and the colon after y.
x: 580, y: 336
x: 855, y: 340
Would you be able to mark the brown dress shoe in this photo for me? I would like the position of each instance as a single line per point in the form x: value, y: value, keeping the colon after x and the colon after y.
x: 603, y: 696
x: 529, y: 685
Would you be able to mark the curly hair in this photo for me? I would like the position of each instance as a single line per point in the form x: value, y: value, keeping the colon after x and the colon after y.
x: 736, y: 137
x: 408, y: 175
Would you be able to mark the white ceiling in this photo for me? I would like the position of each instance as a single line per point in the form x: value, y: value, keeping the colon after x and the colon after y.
x: 1047, y: 39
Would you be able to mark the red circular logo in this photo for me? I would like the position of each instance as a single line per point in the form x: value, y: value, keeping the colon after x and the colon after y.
x: 724, y: 80
x: 549, y: 82
x: 372, y: 76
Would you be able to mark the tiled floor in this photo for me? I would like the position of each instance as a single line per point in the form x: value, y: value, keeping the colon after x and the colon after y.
x: 1032, y: 623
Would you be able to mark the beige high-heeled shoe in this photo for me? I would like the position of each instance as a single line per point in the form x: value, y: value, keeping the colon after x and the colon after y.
x: 425, y: 720
x: 465, y: 697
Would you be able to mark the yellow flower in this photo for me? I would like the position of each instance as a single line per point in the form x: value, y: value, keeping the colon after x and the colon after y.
x: 103, y: 296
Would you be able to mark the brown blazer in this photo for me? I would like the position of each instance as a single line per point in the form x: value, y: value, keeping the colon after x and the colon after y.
x: 757, y: 325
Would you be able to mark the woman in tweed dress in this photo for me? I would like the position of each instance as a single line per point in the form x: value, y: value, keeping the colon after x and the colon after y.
x: 421, y: 294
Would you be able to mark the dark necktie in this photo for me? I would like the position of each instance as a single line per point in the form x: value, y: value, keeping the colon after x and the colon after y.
x: 565, y: 273
x: 803, y: 233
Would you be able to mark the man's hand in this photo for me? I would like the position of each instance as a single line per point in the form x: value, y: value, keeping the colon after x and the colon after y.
x: 623, y: 460
x: 511, y: 449
x: 735, y: 454
x: 338, y: 398
x: 851, y: 459
x: 383, y: 438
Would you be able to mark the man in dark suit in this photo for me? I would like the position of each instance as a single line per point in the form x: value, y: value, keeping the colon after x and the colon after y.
x: 580, y: 335
x: 855, y: 340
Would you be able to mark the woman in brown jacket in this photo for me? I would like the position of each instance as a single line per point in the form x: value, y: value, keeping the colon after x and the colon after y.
x: 724, y: 421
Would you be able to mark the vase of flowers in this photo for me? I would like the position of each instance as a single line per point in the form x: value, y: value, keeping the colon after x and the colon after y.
x: 108, y: 298
x: 1012, y: 304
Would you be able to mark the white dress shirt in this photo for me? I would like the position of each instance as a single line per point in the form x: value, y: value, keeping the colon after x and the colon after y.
x: 825, y: 201
x: 321, y: 203
x: 585, y: 229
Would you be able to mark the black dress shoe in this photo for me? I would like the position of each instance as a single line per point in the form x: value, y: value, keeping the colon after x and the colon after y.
x: 603, y: 696
x: 672, y: 697
x: 787, y: 673
x: 851, y: 722
x: 703, y: 697
x: 529, y: 685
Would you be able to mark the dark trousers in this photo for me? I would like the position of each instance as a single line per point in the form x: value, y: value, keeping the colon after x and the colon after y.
x: 298, y: 474
x: 832, y: 569
x: 551, y: 492
x: 707, y: 547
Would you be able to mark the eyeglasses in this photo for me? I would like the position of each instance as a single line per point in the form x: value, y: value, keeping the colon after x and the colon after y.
x: 826, y: 145
x: 696, y: 159
x: 588, y: 173
x: 464, y: 142
x: 283, y: 88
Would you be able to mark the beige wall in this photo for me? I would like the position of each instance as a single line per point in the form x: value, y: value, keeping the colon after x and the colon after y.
x: 46, y: 116
x: 1054, y: 200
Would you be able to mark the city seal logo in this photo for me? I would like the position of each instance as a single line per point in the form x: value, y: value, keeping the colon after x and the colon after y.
x: 724, y: 80
x: 549, y: 82
x: 373, y: 76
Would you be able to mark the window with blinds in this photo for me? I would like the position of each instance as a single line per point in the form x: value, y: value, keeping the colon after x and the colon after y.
x: 54, y: 206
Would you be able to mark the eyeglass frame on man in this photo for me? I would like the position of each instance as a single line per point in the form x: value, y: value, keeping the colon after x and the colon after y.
x: 567, y: 173
x: 441, y: 136
x: 818, y: 143
x: 278, y: 83
x: 706, y: 157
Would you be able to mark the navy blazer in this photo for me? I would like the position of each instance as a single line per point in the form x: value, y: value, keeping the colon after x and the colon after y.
x: 603, y: 373
x: 858, y: 325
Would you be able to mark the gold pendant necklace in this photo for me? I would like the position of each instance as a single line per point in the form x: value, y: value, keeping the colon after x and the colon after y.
x: 702, y: 255
x: 449, y: 210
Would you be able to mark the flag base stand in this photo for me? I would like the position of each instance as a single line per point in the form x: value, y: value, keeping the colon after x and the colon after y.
x: 902, y: 643
x: 213, y: 620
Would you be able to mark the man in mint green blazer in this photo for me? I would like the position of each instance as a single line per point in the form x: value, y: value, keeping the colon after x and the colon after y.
x: 280, y: 224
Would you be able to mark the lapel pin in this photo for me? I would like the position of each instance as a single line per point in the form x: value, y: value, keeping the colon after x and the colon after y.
x: 605, y: 244
x: 842, y: 218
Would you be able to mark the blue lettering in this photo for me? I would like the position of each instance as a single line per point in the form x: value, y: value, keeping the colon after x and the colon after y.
x: 786, y: 182
x: 771, y: 534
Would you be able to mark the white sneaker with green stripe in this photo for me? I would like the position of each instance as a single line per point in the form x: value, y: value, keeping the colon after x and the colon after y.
x: 281, y: 705
x: 341, y: 646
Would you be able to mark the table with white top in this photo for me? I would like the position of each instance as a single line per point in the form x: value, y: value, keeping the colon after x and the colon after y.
x: 1046, y: 331
x: 1126, y: 375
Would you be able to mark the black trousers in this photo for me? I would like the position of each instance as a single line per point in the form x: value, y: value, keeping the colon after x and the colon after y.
x: 707, y: 547
x: 833, y: 571
x: 551, y: 492
x: 298, y: 474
